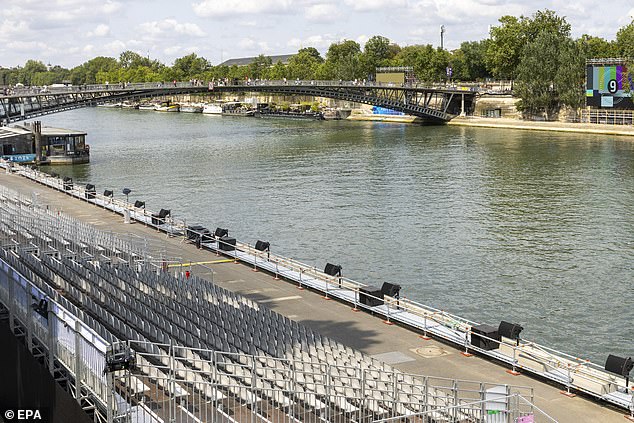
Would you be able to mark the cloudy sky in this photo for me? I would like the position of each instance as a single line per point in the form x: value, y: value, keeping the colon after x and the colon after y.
x: 69, y: 32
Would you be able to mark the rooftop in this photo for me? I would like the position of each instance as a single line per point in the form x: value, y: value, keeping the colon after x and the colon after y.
x: 51, y: 131
x: 245, y: 61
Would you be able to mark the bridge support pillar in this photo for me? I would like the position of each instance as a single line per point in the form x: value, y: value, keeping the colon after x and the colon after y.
x: 462, y: 111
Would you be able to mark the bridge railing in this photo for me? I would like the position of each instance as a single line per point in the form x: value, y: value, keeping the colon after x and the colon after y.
x: 215, y: 84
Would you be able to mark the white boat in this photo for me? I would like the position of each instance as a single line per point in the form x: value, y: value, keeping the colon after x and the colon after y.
x: 109, y: 105
x: 191, y: 108
x: 213, y: 109
x: 147, y: 106
x: 129, y: 105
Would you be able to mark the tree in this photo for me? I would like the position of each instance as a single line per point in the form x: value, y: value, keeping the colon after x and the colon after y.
x: 550, y: 74
x: 259, y: 66
x: 472, y: 58
x: 507, y: 42
x: 277, y: 71
x: 596, y: 47
x: 86, y: 73
x: 188, y: 67
x: 625, y: 41
x: 304, y: 64
x: 343, y: 60
x: 505, y: 49
x: 375, y: 52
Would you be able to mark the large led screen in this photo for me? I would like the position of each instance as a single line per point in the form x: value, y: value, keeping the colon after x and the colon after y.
x: 606, y: 87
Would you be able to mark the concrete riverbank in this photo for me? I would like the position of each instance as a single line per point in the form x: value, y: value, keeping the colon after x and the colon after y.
x: 400, y: 347
x: 504, y: 123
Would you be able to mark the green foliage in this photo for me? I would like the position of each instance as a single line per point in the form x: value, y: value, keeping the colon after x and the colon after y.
x: 344, y: 61
x: 625, y: 41
x: 304, y: 64
x: 550, y: 74
x: 504, y: 50
x: 507, y: 41
x: 377, y: 52
x: 469, y: 61
x: 596, y: 47
x: 259, y: 66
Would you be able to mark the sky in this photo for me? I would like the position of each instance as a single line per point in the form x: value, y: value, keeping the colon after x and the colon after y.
x: 70, y: 32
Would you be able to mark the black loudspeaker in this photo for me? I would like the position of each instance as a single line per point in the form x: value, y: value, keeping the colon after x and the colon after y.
x: 159, y: 219
x: 367, y: 293
x: 139, y: 204
x: 333, y: 269
x: 195, y: 231
x: 90, y: 191
x: 489, y: 332
x: 220, y: 232
x: 509, y: 330
x: 262, y: 245
x: 619, y: 365
x: 108, y: 193
x: 68, y: 183
x: 390, y: 289
x: 227, y: 244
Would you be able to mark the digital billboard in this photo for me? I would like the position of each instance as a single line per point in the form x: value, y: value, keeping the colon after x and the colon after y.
x: 606, y: 86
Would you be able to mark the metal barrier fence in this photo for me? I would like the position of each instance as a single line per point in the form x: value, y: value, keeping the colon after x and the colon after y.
x: 573, y: 373
x: 213, y: 386
x: 68, y: 347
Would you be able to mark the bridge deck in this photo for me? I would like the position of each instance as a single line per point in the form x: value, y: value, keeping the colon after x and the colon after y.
x: 400, y: 347
x: 435, y: 105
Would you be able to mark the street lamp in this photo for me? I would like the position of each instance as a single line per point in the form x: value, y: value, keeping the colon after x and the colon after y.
x: 442, y: 34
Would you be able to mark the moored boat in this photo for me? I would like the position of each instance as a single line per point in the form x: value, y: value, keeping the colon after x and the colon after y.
x: 147, y: 106
x: 109, y: 105
x: 167, y: 107
x: 212, y: 109
x: 191, y: 108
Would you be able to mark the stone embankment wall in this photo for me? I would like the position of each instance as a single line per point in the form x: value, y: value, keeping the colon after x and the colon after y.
x: 505, y: 105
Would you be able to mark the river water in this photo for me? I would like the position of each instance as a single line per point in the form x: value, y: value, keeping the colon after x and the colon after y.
x: 490, y: 224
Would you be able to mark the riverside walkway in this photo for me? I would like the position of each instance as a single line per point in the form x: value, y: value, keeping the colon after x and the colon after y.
x: 402, y: 348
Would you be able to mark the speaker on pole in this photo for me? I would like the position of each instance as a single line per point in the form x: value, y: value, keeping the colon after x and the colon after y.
x: 333, y: 269
x: 262, y: 246
x: 220, y: 232
x: 510, y: 330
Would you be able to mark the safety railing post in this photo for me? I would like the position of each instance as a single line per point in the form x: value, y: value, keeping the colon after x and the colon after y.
x: 52, y: 342
x: 254, y: 395
x: 29, y: 326
x: 78, y: 361
x: 483, y: 400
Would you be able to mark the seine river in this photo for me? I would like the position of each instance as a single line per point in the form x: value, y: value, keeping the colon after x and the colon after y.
x: 490, y: 224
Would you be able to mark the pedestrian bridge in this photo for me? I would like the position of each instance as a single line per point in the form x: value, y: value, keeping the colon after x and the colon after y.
x: 433, y: 105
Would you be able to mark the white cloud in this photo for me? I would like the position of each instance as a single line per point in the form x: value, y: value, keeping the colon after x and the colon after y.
x: 246, y: 43
x: 170, y: 27
x: 317, y: 41
x: 322, y: 12
x: 100, y: 30
x: 374, y: 5
x: 215, y: 8
x: 10, y: 29
x: 172, y: 50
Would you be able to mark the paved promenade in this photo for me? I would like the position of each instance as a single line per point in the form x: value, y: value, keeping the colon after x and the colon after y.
x: 584, y: 128
x: 397, y: 346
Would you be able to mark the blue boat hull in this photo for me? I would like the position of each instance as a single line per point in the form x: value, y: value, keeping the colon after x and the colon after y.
x: 20, y: 158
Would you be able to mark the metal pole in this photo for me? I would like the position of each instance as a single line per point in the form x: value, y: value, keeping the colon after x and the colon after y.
x: 51, y: 339
x: 78, y: 372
